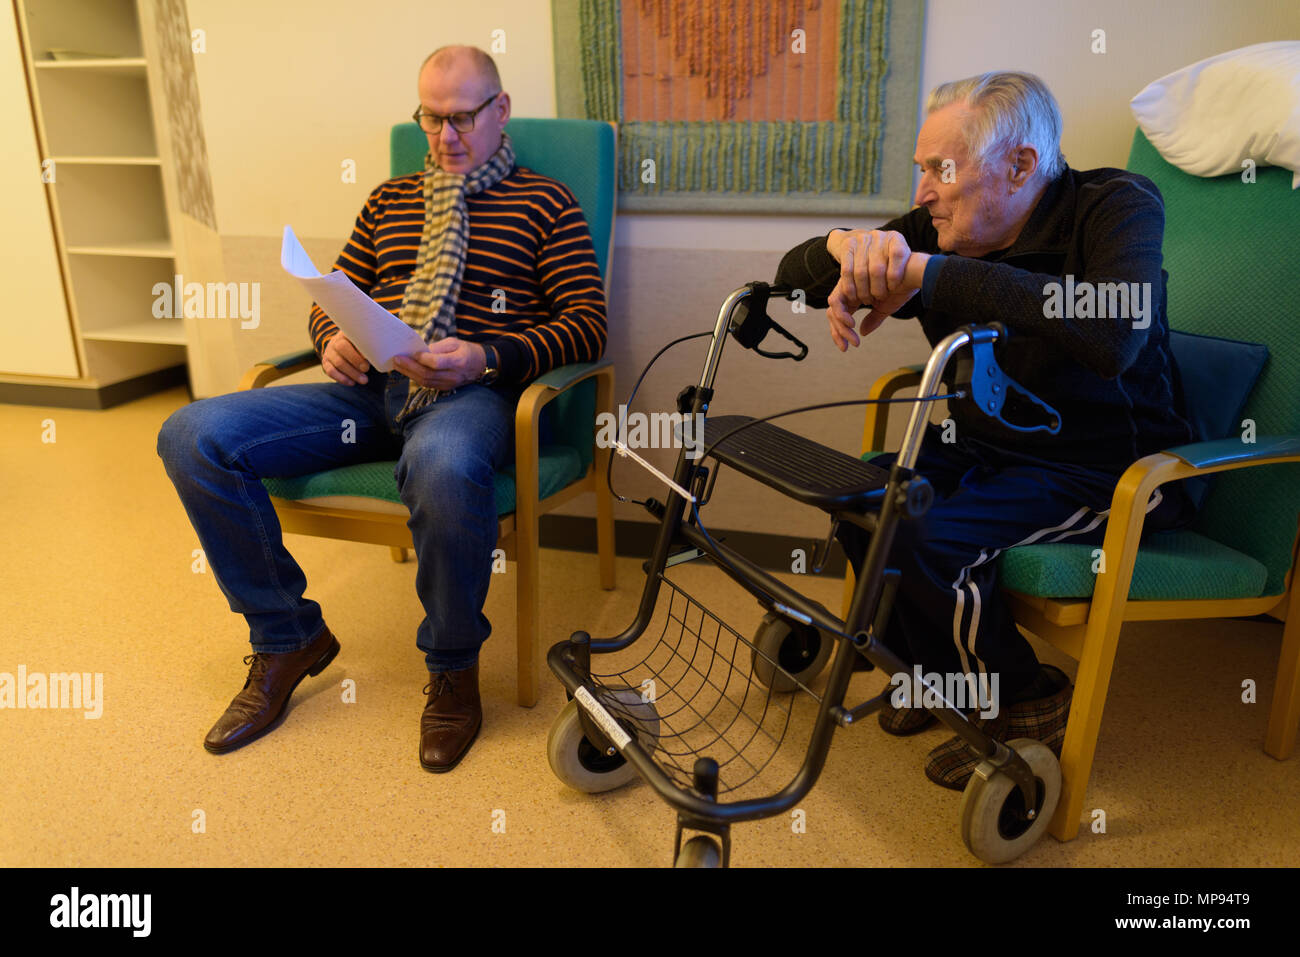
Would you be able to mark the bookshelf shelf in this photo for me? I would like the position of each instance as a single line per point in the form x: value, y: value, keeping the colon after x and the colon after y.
x: 125, y: 200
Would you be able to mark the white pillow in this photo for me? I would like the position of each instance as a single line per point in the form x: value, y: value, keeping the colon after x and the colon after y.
x: 1209, y: 117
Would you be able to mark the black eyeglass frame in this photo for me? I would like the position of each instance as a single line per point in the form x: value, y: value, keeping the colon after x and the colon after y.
x: 472, y: 115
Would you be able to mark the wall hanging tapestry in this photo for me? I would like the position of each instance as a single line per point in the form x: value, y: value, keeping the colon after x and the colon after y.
x: 735, y: 105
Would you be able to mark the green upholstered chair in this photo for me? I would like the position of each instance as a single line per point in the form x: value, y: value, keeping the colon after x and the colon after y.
x: 1229, y: 250
x: 556, y: 457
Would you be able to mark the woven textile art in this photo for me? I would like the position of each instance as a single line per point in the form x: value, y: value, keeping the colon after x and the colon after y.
x: 793, y: 105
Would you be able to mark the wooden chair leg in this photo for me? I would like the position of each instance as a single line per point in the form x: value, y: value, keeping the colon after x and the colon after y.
x: 398, y: 553
x: 1100, y: 641
x: 527, y: 604
x: 527, y: 489
x: 604, y: 497
x: 1284, y: 717
x: 526, y: 616
x: 604, y: 523
x: 1080, y: 746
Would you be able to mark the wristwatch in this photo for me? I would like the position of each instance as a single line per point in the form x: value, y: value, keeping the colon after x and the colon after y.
x: 491, y: 371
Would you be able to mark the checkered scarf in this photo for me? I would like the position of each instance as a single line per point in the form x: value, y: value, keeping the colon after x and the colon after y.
x: 429, y: 303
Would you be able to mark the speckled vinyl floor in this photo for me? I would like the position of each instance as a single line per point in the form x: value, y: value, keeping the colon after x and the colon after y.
x: 96, y: 577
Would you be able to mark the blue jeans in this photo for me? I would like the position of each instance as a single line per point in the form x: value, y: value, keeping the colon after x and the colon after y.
x: 216, y: 451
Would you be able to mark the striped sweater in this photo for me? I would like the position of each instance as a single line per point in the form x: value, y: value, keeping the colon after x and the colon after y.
x: 530, y: 255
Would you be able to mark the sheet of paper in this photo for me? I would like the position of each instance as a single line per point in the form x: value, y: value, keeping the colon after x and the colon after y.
x: 371, y: 328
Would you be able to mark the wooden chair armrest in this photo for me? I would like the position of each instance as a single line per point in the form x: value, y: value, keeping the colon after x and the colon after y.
x: 547, y: 388
x: 877, y: 419
x: 268, y: 370
x: 1129, y: 503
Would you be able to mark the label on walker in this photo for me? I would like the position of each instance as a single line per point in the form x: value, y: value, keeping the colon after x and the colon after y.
x: 604, y: 720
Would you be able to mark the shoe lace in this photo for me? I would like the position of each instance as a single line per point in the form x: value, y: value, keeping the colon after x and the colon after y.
x: 440, y: 683
x: 259, y: 663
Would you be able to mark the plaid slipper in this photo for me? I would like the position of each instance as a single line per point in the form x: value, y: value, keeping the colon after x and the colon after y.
x: 951, y: 764
x: 903, y: 721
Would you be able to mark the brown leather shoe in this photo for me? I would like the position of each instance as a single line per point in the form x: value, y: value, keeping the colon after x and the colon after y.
x: 265, y: 695
x: 451, y: 720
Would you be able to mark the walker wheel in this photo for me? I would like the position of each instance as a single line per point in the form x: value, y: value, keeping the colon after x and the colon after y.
x: 583, y: 766
x: 700, y: 851
x: 800, y: 649
x: 991, y: 824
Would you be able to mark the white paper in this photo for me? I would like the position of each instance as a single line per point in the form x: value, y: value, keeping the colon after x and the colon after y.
x: 375, y: 331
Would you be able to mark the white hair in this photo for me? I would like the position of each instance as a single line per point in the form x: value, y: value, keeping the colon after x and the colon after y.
x: 1008, y: 109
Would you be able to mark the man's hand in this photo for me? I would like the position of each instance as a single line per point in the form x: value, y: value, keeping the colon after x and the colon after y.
x: 447, y: 364
x: 342, y: 362
x: 843, y: 302
x: 877, y: 269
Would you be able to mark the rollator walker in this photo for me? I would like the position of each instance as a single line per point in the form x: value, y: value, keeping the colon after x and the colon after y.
x: 702, y: 712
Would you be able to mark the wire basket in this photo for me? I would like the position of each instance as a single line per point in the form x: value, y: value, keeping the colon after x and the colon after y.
x: 695, y: 694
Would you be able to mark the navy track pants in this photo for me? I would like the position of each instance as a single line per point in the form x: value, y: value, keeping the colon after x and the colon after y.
x: 949, y: 616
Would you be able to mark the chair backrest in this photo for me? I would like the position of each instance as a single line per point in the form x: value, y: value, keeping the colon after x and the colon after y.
x: 1230, y: 250
x: 580, y: 154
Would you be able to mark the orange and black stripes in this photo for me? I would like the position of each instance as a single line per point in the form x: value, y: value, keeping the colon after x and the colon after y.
x: 531, y: 289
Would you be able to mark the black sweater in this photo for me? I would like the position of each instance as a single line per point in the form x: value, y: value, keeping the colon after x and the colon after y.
x: 1115, y: 386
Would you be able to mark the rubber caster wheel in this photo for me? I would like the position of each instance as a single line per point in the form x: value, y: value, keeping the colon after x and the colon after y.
x: 990, y: 805
x: 700, y: 852
x: 579, y: 763
x: 801, y: 650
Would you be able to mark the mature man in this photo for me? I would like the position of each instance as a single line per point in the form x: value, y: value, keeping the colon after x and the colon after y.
x: 1000, y: 223
x: 440, y: 249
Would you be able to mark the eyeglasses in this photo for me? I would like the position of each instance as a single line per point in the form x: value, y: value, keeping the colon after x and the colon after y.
x: 462, y: 122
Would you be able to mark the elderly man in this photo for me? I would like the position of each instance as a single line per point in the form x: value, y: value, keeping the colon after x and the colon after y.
x: 1001, y: 225
x: 442, y: 250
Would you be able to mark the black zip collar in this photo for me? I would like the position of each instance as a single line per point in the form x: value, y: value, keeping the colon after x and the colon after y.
x: 1051, y: 224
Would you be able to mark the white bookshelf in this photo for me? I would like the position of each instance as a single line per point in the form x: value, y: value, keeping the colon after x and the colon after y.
x: 96, y: 73
x: 148, y: 248
x: 162, y: 331
x: 108, y: 160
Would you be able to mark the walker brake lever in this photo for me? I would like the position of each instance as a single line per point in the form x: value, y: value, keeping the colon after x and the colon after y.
x: 799, y: 357
x: 753, y: 324
x: 990, y: 388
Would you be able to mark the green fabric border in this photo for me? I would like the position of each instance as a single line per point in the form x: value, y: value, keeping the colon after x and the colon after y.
x: 719, y: 148
x: 568, y: 68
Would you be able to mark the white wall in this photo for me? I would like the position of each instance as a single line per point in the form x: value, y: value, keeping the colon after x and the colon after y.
x: 291, y: 90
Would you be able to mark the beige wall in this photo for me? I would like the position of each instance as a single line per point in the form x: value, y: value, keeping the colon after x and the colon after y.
x: 1145, y: 39
x: 291, y: 90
